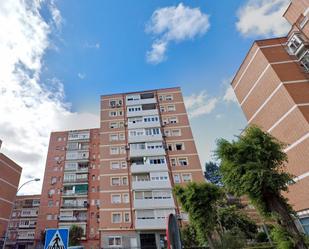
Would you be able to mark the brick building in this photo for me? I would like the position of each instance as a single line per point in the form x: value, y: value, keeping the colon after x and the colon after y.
x: 146, y: 147
x: 116, y: 182
x: 70, y: 193
x: 9, y: 180
x: 23, y: 222
x: 272, y: 87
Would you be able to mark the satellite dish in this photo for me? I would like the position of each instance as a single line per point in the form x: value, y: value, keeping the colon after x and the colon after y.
x: 172, y: 233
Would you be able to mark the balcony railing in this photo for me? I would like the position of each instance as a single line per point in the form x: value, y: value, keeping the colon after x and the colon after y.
x: 140, y: 168
x: 150, y: 223
x: 142, y: 124
x: 145, y: 138
x: 150, y: 112
x: 66, y: 205
x: 147, y: 152
x: 141, y: 101
x: 72, y: 218
x: 71, y: 193
x: 150, y: 185
x: 153, y: 203
x: 75, y: 180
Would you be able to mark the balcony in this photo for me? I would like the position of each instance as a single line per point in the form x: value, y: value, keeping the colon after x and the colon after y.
x: 74, y: 206
x: 150, y: 223
x: 139, y: 125
x: 143, y: 113
x: 72, y: 218
x: 148, y: 152
x: 140, y: 168
x: 141, y: 101
x: 73, y: 181
x: 141, y: 185
x: 153, y: 203
x: 73, y: 194
x: 145, y: 138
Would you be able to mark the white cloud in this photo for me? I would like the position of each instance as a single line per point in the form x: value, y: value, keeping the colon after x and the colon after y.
x: 95, y: 45
x: 263, y: 18
x: 56, y: 15
x: 29, y: 109
x: 175, y: 23
x: 229, y: 95
x: 81, y: 76
x: 199, y: 104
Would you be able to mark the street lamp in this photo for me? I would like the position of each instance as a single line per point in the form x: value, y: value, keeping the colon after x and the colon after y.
x: 7, y: 229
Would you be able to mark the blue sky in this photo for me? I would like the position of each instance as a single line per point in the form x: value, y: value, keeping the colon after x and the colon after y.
x: 70, y: 52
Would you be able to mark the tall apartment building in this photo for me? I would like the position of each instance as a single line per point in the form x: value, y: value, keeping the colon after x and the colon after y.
x: 70, y: 193
x: 146, y: 148
x: 9, y: 180
x: 272, y: 87
x: 23, y: 222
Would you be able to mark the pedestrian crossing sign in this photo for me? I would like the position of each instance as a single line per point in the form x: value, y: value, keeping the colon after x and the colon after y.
x: 56, y: 238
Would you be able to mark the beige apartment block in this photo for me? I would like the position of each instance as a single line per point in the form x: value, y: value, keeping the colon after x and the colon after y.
x: 272, y: 87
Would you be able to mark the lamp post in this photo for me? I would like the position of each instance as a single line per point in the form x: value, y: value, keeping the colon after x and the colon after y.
x: 7, y: 229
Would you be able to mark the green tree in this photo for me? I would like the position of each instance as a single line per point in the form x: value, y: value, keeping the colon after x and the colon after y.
x: 254, y: 166
x: 212, y: 173
x: 231, y: 218
x: 189, y: 237
x: 200, y: 201
x: 76, y: 233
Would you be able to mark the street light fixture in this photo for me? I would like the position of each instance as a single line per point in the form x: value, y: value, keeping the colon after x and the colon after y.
x: 7, y: 229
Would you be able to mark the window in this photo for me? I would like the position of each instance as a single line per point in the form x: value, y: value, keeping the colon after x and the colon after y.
x: 126, y: 217
x: 173, y: 120
x: 114, y: 150
x: 176, y: 178
x: 50, y: 203
x: 114, y: 241
x: 162, y: 108
x: 49, y: 216
x: 121, y: 136
x: 122, y: 150
x: 171, y: 108
x: 156, y: 160
x: 161, y: 97
x: 116, y: 198
x: 115, y: 165
x: 116, y: 217
x: 294, y: 44
x: 305, y: 224
x: 305, y: 61
x: 169, y: 97
x: 93, y: 189
x: 173, y: 162
x: 112, y: 113
x: 123, y: 165
x: 53, y: 180
x: 125, y: 198
x: 167, y: 133
x: 115, y: 181
x: 93, y: 177
x: 186, y: 177
x: 179, y: 146
x: 183, y: 161
x: 176, y: 132
x: 113, y: 137
x: 113, y: 125
x: 125, y: 180
x: 170, y: 147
